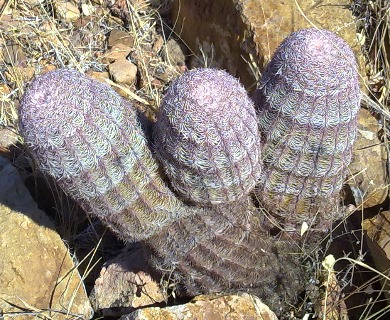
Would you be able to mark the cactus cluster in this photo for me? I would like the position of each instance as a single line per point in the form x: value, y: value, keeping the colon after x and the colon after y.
x: 207, y: 230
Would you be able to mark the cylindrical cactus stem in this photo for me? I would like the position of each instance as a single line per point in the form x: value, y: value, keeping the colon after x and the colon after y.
x: 308, y: 101
x: 226, y: 250
x: 85, y: 136
x: 207, y: 137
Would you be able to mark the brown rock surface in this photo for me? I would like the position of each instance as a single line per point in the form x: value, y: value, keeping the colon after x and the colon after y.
x: 368, y: 168
x: 124, y: 284
x: 37, y: 274
x: 123, y: 71
x: 232, y: 307
x: 378, y: 239
x: 238, y: 30
x: 66, y: 10
x: 120, y: 37
x: 118, y: 51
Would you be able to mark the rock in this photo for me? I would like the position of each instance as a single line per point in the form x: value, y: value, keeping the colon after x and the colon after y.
x: 368, y: 169
x: 332, y: 305
x: 377, y: 232
x: 8, y: 113
x: 99, y: 76
x: 14, y: 55
x: 87, y: 9
x: 8, y: 140
x: 37, y: 273
x: 244, y: 33
x: 232, y: 307
x: 120, y: 37
x: 118, y: 51
x: 123, y: 71
x: 66, y: 11
x: 17, y: 74
x: 173, y: 54
x: 124, y: 284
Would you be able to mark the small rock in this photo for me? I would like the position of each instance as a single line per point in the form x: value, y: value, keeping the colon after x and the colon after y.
x: 8, y: 140
x: 123, y: 71
x: 120, y: 37
x: 8, y: 113
x: 124, y: 285
x: 233, y: 307
x: 14, y: 55
x: 173, y: 54
x: 37, y: 272
x: 332, y: 305
x: 368, y: 168
x: 99, y: 76
x: 66, y: 11
x: 16, y: 74
x: 87, y: 9
x: 118, y: 51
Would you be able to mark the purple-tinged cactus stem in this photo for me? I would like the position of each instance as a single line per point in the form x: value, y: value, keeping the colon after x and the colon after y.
x: 88, y: 138
x: 308, y: 101
x: 207, y: 137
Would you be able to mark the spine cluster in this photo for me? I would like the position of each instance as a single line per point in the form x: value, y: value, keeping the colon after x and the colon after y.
x: 207, y: 230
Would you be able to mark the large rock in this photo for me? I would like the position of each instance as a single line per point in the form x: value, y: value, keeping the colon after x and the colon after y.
x: 37, y: 273
x: 125, y: 284
x: 241, y: 36
x: 232, y: 307
x: 377, y: 232
x: 368, y: 168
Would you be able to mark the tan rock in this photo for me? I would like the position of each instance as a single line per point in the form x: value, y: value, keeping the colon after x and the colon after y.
x: 14, y: 55
x: 66, y: 10
x: 99, y: 76
x: 173, y: 54
x: 120, y: 37
x: 231, y: 307
x: 368, y: 168
x: 125, y: 284
x: 123, y: 71
x: 243, y: 34
x: 118, y: 51
x: 87, y: 9
x: 37, y: 273
x: 18, y: 74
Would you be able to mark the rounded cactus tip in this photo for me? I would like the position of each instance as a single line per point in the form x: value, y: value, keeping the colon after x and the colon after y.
x: 207, y: 138
x: 307, y: 100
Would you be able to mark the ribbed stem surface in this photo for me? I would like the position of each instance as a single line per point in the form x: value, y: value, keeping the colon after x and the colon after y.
x: 85, y: 136
x: 225, y: 249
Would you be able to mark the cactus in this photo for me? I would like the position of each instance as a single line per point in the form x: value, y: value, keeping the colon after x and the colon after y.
x: 227, y: 250
x: 207, y: 138
x: 89, y: 140
x: 308, y: 100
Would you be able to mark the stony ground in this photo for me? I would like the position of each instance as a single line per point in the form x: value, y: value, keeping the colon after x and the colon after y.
x: 131, y: 46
